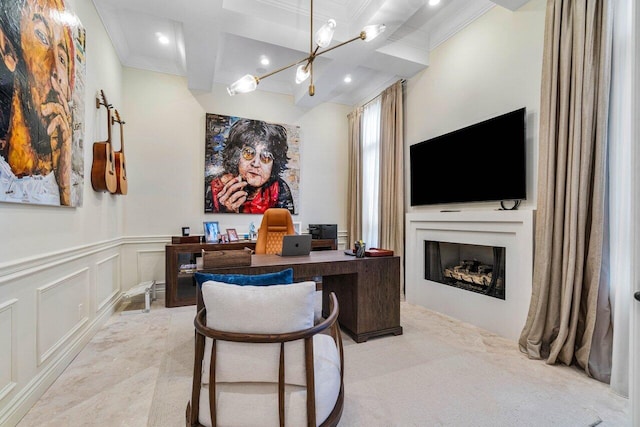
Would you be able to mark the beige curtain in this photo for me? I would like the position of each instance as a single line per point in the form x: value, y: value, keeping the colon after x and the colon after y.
x: 391, y: 205
x: 354, y: 190
x: 391, y: 225
x: 569, y: 315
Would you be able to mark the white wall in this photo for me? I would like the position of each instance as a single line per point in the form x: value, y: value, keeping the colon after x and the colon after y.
x: 60, y: 267
x: 165, y: 154
x: 31, y: 230
x: 491, y: 67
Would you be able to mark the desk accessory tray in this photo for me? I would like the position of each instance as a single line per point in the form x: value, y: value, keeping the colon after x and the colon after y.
x: 378, y: 252
x: 373, y: 252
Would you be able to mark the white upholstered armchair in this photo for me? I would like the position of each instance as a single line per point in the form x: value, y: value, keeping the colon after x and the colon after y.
x: 260, y: 360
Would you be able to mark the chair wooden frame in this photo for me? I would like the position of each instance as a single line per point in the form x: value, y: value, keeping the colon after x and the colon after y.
x: 329, y: 326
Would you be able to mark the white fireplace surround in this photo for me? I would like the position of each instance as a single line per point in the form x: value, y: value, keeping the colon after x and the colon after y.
x: 510, y: 229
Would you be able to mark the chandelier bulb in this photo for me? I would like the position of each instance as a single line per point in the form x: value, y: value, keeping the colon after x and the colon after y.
x: 247, y: 83
x: 325, y: 33
x: 302, y: 73
x: 370, y: 32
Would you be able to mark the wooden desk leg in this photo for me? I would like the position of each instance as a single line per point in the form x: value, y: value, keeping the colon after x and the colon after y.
x: 344, y: 287
x: 369, y: 300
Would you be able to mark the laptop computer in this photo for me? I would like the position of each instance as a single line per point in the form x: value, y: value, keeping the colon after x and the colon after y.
x: 296, y: 244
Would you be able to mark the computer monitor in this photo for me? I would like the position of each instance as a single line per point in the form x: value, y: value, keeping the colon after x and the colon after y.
x: 323, y: 231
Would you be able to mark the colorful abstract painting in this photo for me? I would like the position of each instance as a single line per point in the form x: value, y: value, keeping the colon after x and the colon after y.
x: 42, y: 84
x: 250, y: 165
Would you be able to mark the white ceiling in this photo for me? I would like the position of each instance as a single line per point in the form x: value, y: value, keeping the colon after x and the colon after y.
x: 219, y: 41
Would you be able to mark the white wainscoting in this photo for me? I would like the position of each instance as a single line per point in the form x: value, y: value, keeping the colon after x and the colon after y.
x: 510, y: 229
x: 61, y: 312
x: 342, y: 240
x: 52, y: 304
x: 107, y: 280
x: 7, y: 347
x: 151, y: 265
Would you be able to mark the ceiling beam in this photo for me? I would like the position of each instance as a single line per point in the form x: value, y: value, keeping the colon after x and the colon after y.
x: 512, y: 5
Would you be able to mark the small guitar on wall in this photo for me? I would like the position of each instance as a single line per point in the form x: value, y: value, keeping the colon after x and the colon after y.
x: 121, y: 170
x: 103, y: 171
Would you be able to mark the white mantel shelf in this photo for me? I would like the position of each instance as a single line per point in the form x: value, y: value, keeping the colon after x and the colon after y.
x: 510, y: 229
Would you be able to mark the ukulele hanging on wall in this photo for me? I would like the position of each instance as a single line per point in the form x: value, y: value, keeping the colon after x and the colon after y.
x: 103, y: 171
x: 121, y: 170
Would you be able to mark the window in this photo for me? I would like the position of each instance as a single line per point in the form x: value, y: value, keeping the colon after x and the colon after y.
x: 371, y: 172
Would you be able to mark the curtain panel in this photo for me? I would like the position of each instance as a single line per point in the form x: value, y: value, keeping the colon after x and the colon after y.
x: 354, y: 186
x: 569, y: 316
x: 391, y: 226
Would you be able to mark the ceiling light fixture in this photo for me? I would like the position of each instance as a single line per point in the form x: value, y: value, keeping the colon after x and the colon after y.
x: 249, y: 83
x: 434, y: 2
x: 162, y: 38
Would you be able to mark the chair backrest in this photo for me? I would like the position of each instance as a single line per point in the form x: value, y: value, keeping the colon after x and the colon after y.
x: 305, y: 387
x: 276, y: 222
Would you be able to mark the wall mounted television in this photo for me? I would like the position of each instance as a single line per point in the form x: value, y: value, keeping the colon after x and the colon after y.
x: 481, y: 162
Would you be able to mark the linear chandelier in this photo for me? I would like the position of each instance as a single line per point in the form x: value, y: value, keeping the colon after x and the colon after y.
x: 323, y: 37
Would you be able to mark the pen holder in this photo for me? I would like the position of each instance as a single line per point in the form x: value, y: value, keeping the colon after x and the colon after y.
x: 360, y: 248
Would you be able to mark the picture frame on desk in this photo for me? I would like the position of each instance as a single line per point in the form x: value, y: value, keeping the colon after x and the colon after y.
x: 232, y: 234
x: 211, y: 231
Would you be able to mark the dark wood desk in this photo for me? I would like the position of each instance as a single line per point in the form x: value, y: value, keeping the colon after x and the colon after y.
x: 180, y: 285
x: 368, y: 289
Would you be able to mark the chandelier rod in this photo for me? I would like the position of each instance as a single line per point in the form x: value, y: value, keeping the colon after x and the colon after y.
x: 309, y: 58
x: 283, y: 68
x: 311, y: 29
x: 312, y: 89
x: 361, y: 36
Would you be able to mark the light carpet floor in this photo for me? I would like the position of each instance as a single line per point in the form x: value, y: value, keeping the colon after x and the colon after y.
x: 137, y: 371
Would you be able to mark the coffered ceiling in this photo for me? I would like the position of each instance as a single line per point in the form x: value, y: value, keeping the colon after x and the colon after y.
x: 219, y: 41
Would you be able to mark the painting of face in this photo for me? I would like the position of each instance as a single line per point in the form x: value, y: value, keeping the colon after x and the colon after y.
x: 250, y: 165
x: 42, y: 52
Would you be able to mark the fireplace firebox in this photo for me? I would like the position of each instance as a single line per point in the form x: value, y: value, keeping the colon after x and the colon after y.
x: 474, y: 268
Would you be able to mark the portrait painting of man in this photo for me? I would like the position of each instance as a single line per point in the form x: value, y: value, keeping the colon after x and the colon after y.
x: 42, y: 67
x: 250, y: 165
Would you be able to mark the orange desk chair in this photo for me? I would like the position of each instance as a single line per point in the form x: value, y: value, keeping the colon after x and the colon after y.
x: 276, y: 222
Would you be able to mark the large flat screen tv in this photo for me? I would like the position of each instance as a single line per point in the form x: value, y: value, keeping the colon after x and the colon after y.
x: 481, y: 162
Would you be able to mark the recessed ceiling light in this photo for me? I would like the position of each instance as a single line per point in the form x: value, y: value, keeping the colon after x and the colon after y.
x: 347, y: 79
x: 434, y: 2
x: 264, y: 60
x: 162, y: 38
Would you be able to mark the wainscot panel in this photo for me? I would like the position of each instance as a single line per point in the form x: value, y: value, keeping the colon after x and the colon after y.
x: 150, y: 265
x: 7, y: 347
x: 61, y: 312
x: 107, y: 280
